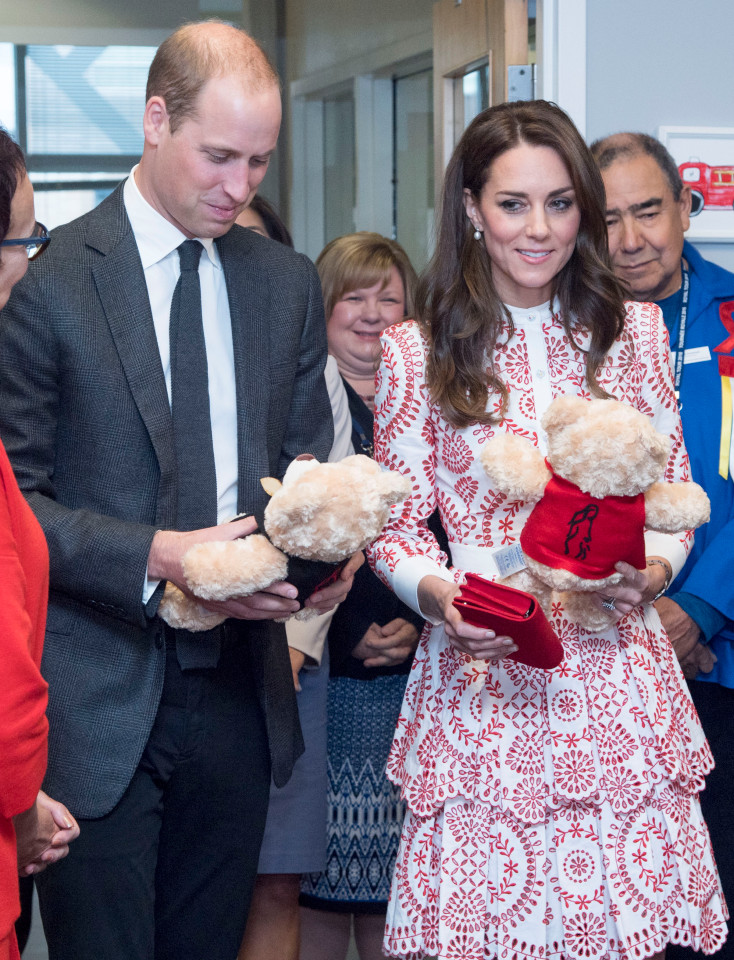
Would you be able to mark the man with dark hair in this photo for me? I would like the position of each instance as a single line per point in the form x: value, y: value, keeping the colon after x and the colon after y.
x: 153, y: 366
x: 648, y: 212
x: 625, y: 146
x: 648, y: 209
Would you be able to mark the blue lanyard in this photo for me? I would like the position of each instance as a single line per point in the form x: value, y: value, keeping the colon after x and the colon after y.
x: 367, y: 448
x: 681, y: 348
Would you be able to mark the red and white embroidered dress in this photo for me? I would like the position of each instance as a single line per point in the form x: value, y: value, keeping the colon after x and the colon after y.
x: 551, y: 814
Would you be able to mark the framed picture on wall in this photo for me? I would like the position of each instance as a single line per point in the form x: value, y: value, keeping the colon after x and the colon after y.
x: 705, y: 158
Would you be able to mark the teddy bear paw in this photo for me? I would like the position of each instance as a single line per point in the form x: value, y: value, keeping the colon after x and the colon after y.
x: 184, y: 613
x: 222, y: 569
x: 580, y: 608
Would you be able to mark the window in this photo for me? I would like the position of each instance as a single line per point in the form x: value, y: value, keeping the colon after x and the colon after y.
x: 339, y: 166
x: 473, y: 90
x: 413, y: 189
x: 7, y: 88
x: 76, y: 112
x: 363, y: 157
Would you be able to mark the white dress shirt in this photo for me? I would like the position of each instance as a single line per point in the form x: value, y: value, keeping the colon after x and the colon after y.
x: 158, y: 241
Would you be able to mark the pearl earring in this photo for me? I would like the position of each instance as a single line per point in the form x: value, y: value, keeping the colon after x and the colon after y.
x: 477, y: 233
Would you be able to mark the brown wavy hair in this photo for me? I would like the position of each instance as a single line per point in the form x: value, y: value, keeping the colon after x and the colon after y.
x: 274, y: 226
x: 457, y: 304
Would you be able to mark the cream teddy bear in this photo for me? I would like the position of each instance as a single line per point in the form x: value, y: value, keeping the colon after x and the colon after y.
x: 595, y: 494
x: 322, y: 512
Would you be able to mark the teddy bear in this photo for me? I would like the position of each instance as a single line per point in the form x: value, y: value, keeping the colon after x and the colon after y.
x: 321, y: 513
x: 595, y: 493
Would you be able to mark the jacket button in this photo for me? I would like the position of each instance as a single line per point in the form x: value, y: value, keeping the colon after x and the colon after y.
x: 159, y: 641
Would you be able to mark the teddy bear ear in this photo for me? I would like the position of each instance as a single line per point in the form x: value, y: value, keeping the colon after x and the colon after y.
x: 298, y: 467
x: 270, y: 485
x: 562, y: 411
x: 365, y: 465
x: 394, y: 486
x: 658, y: 446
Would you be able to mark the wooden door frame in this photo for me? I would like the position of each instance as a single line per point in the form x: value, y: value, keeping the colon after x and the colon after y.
x: 468, y: 34
x: 466, y: 28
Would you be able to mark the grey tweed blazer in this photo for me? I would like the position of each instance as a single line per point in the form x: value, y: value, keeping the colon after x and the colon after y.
x: 84, y: 416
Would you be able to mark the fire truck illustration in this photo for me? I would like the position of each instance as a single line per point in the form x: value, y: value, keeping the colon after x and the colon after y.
x: 712, y: 188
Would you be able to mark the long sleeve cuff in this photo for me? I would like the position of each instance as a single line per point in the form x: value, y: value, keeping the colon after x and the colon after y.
x: 708, y: 619
x: 149, y: 587
x: 668, y: 546
x: 409, y: 573
x: 309, y: 636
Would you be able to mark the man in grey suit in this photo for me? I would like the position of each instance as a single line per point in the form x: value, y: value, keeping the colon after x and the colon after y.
x: 162, y: 742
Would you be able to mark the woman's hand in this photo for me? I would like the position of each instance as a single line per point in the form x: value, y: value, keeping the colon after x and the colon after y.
x: 330, y: 596
x: 436, y: 598
x: 387, y: 645
x: 44, y: 833
x: 635, y: 587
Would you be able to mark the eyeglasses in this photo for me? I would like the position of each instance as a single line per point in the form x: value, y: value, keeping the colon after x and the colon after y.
x: 35, y: 245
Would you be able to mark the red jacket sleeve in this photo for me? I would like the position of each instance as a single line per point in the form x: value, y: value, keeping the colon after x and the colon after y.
x: 23, y: 696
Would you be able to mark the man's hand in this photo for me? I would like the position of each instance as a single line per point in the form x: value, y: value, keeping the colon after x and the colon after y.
x: 436, y: 600
x: 684, y: 633
x: 326, y: 599
x: 169, y: 546
x: 700, y: 660
x: 387, y: 645
x: 44, y: 833
x: 277, y: 601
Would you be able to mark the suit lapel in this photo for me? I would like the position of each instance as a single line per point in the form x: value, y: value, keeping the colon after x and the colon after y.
x: 249, y: 306
x: 123, y: 292
x: 250, y: 309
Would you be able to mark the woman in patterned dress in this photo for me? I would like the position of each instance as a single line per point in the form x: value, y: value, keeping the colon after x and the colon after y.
x: 551, y: 814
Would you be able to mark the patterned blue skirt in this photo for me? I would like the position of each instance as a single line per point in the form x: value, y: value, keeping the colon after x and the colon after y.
x: 365, y: 812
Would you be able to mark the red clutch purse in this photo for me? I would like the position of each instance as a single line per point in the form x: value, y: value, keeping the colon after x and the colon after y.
x: 512, y: 613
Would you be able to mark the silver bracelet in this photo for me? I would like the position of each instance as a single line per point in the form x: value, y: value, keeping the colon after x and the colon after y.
x: 668, y: 576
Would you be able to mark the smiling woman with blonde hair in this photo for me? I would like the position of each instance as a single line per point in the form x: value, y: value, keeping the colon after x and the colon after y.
x: 368, y: 283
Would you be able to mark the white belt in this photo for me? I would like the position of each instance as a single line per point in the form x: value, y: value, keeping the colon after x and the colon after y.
x: 474, y: 559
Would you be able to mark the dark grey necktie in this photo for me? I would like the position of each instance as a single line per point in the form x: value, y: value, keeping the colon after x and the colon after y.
x: 192, y: 431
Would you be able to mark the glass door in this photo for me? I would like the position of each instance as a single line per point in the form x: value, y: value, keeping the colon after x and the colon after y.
x: 413, y: 188
x: 339, y: 166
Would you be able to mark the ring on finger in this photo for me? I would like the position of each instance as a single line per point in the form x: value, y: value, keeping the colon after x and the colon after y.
x: 608, y: 603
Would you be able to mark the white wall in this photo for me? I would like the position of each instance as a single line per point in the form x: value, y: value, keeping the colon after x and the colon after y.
x: 660, y: 62
x: 331, y: 37
x: 342, y: 46
x: 94, y: 21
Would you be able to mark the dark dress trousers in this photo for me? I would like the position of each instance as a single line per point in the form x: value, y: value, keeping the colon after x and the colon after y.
x: 86, y: 421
